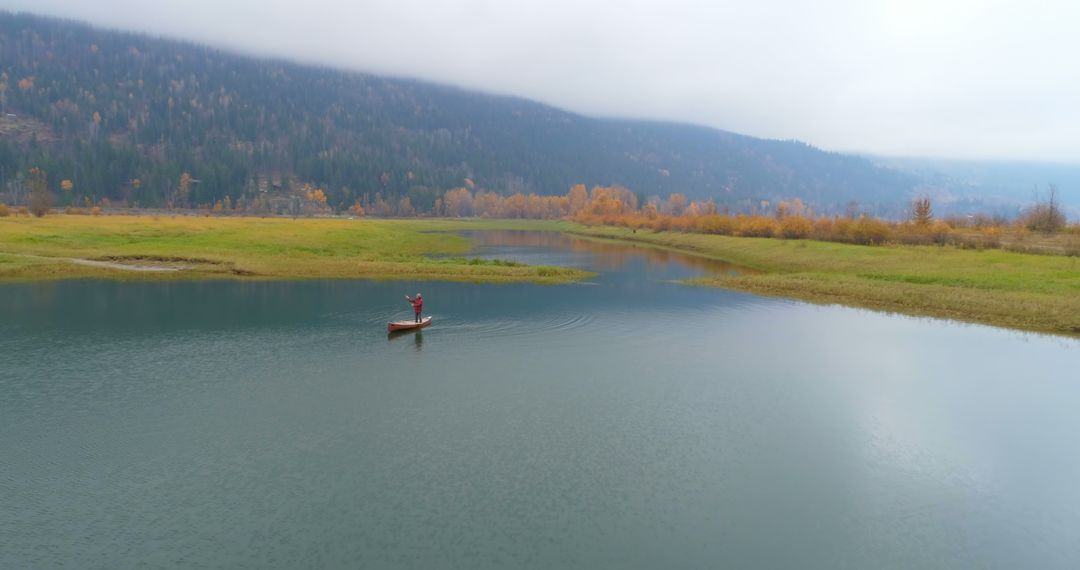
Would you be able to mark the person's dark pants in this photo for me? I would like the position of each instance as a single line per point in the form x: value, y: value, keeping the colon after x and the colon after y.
x: 417, y: 317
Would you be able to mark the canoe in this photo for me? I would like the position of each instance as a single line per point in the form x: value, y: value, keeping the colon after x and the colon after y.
x: 394, y: 326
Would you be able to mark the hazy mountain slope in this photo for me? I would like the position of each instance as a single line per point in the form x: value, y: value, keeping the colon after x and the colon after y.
x: 990, y: 186
x: 106, y: 108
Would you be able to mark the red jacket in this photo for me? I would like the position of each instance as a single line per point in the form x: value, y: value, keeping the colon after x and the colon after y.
x: 417, y: 304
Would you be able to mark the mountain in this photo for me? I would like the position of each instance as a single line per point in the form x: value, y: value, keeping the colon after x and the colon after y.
x: 989, y: 186
x: 123, y: 116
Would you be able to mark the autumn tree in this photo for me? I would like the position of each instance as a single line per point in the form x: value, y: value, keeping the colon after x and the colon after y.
x: 316, y: 196
x: 677, y: 204
x: 457, y: 203
x: 788, y: 208
x: 608, y: 203
x: 513, y: 206
x: 578, y: 198
x: 707, y: 208
x: 486, y: 204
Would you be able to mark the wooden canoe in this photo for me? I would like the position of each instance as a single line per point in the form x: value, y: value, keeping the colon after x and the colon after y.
x: 394, y: 326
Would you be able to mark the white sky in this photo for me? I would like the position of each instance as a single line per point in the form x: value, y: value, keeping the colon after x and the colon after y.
x: 949, y: 78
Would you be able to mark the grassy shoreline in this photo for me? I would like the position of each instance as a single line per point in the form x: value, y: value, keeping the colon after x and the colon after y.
x: 188, y: 247
x: 1015, y: 290
x: 1037, y: 293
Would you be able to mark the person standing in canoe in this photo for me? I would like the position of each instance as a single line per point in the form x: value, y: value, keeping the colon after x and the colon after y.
x: 417, y: 305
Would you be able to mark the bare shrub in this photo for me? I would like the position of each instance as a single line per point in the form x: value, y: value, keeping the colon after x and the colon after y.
x: 912, y: 234
x: 989, y: 238
x: 40, y: 197
x: 756, y: 226
x: 993, y: 236
x: 716, y: 224
x: 1071, y: 246
x: 869, y: 231
x: 823, y: 229
x: 959, y: 222
x: 795, y: 227
x: 1045, y: 215
x: 1043, y: 218
x: 939, y: 232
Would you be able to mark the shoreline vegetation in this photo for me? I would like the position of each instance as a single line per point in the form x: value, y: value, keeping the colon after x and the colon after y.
x: 1039, y: 293
x: 1041, y: 227
x: 191, y: 247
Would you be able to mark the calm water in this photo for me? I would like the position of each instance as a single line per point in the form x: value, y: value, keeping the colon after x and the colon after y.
x: 624, y: 423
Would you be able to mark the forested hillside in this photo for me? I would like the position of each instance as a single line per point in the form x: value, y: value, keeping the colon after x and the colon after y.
x: 152, y: 122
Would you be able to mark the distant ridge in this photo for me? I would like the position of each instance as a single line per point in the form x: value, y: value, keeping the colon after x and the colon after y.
x: 123, y: 115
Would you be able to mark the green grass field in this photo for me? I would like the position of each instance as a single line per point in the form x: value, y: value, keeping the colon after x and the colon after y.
x: 1016, y: 290
x: 202, y: 247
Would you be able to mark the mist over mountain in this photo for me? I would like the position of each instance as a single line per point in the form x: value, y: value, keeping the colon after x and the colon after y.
x: 987, y: 186
x: 123, y: 116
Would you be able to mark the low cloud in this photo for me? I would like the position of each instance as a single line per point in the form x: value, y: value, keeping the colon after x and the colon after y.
x: 954, y: 79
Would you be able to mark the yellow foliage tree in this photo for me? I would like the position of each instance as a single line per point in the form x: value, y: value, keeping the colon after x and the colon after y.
x: 317, y: 196
x: 578, y: 198
x: 790, y: 208
x: 677, y: 204
x: 457, y: 203
x: 486, y: 204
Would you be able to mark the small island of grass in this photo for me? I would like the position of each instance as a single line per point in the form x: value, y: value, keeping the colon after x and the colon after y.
x: 193, y: 247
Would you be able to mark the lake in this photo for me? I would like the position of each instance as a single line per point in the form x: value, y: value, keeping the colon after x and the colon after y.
x: 627, y: 422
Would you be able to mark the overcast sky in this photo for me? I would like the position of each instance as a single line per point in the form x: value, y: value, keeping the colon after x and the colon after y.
x: 942, y: 78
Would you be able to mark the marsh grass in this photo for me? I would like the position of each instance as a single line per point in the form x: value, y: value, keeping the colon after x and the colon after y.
x: 959, y: 281
x: 992, y: 286
x: 40, y: 248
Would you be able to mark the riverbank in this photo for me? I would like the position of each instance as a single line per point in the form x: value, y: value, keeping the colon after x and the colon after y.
x: 189, y: 247
x: 1016, y: 290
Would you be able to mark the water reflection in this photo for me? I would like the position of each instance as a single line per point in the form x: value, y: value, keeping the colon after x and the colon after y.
x: 629, y: 423
x: 417, y: 337
x: 603, y: 256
